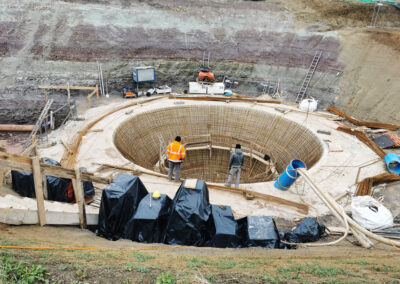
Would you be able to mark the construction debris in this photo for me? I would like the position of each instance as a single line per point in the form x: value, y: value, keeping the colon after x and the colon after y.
x: 363, y: 138
x: 387, y: 140
x: 365, y: 186
x: 363, y: 123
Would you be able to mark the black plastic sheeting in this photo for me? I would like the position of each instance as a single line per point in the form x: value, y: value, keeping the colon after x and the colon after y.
x: 259, y: 231
x: 127, y: 210
x: 223, y: 228
x: 150, y: 220
x: 187, y: 224
x: 119, y: 202
x: 309, y: 230
x: 57, y: 188
x: 22, y: 183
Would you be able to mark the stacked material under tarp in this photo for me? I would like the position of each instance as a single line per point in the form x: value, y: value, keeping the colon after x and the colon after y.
x: 309, y: 230
x: 187, y: 224
x: 223, y: 228
x: 119, y: 202
x: 58, y: 189
x: 150, y: 220
x: 259, y: 231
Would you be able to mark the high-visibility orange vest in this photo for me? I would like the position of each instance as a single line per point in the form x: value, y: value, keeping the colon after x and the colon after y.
x: 175, y: 152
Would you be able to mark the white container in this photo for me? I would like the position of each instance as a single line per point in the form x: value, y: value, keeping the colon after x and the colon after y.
x: 308, y: 105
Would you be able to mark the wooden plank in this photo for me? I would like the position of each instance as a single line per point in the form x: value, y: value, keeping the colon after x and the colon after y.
x: 378, y: 125
x: 37, y: 179
x: 66, y: 146
x: 28, y: 150
x: 17, y: 127
x: 80, y: 197
x: 22, y: 163
x: 301, y: 207
x: 363, y: 138
x: 66, y: 87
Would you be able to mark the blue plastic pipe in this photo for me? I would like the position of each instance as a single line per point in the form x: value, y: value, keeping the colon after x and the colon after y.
x: 289, y: 175
x: 392, y: 161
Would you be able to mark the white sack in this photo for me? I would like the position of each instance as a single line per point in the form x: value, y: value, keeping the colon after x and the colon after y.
x: 370, y: 214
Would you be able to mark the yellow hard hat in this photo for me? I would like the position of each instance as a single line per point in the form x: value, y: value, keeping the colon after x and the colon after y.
x: 156, y: 195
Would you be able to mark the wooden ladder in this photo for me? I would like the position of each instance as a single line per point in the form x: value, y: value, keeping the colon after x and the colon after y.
x: 39, y: 122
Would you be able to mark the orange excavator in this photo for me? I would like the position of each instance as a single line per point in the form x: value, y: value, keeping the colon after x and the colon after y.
x: 205, y: 75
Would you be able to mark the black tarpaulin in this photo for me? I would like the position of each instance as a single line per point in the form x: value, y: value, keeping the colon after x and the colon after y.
x: 259, y: 231
x: 22, y: 183
x: 57, y: 187
x: 189, y: 215
x: 309, y: 230
x: 150, y: 220
x: 223, y: 228
x: 119, y: 202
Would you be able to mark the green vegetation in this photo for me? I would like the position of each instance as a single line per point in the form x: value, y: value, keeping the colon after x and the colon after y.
x: 166, y: 278
x: 197, y: 263
x: 138, y: 268
x: 141, y: 257
x: 17, y: 271
x: 226, y: 264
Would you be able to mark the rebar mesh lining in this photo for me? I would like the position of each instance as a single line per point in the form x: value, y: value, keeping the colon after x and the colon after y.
x: 282, y: 139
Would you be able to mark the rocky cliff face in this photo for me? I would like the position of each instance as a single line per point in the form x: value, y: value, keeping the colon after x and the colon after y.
x: 59, y: 42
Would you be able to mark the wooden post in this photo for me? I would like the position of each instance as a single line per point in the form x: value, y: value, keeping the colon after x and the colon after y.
x: 2, y: 172
x: 45, y: 96
x: 97, y: 92
x: 52, y: 122
x: 34, y: 142
x: 37, y: 178
x: 80, y: 197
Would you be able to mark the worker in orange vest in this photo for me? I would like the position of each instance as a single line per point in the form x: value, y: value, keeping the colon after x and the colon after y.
x: 176, y: 154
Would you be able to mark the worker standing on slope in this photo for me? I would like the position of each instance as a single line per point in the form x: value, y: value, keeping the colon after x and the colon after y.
x: 176, y: 154
x: 235, y: 165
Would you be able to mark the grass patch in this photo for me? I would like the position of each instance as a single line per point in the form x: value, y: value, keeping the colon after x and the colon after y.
x: 63, y: 267
x: 197, y: 263
x: 247, y: 265
x: 109, y: 255
x: 17, y: 271
x: 226, y: 264
x: 384, y: 268
x: 356, y: 261
x: 141, y: 257
x: 293, y: 272
x: 135, y: 267
x: 166, y: 278
x: 211, y: 278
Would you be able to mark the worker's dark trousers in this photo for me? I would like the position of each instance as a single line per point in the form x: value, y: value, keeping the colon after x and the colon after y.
x: 177, y: 167
x: 234, y: 172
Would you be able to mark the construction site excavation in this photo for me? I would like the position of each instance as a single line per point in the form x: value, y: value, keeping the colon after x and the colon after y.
x: 183, y: 141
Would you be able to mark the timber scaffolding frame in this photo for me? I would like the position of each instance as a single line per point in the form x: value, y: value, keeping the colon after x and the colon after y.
x: 68, y: 88
x: 40, y: 170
